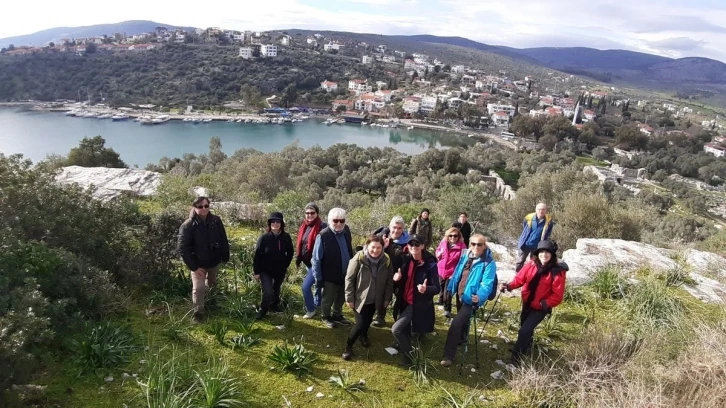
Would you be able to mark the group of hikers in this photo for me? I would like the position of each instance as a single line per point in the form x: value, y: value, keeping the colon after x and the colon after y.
x: 394, y: 269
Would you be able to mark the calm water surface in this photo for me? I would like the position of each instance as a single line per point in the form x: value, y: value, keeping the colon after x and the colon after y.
x: 37, y: 134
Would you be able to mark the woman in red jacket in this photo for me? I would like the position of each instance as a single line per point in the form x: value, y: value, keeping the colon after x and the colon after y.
x: 543, y: 285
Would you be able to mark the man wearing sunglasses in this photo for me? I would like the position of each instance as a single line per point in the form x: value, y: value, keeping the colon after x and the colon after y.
x: 202, y: 244
x: 473, y: 282
x: 331, y: 254
x: 418, y: 282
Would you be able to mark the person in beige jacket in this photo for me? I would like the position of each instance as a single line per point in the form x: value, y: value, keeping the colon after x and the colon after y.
x: 368, y: 287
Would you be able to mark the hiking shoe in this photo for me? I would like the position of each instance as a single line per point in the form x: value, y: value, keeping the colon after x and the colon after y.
x: 197, y: 318
x: 365, y: 342
x: 446, y: 363
x: 395, y: 345
x: 447, y: 314
x: 379, y: 322
x: 348, y: 353
x: 341, y: 320
x: 310, y: 315
x: 329, y: 323
x: 260, y: 315
x: 275, y: 309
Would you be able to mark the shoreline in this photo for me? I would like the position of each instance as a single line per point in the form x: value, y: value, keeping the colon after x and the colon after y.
x: 224, y: 117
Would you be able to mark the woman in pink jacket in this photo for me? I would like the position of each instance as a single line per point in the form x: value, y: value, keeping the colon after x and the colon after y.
x: 448, y: 254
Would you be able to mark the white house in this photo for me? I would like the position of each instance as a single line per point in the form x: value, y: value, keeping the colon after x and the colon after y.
x: 706, y: 123
x: 328, y: 86
x: 313, y: 42
x: 179, y: 38
x: 239, y: 37
x: 381, y: 49
x: 645, y: 129
x: 495, y: 107
x: 671, y: 107
x: 367, y: 59
x: 384, y: 95
x: 268, y: 50
x: 500, y: 118
x: 359, y: 86
x: 286, y: 40
x: 714, y: 149
x: 411, y: 105
x: 245, y: 52
x: 428, y: 104
x: 389, y: 59
x: 381, y: 84
x: 458, y: 69
x: 588, y: 114
x: 331, y: 46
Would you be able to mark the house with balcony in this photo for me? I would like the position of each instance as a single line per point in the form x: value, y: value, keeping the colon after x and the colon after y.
x: 359, y: 86
x: 328, y: 86
x: 496, y: 107
x: 411, y: 105
x: 267, y: 50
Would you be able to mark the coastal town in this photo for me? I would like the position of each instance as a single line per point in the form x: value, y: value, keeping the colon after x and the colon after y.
x: 417, y: 90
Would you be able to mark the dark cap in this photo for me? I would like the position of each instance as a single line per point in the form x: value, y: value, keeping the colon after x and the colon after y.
x: 417, y: 238
x: 546, y: 245
x: 276, y: 216
x: 425, y: 210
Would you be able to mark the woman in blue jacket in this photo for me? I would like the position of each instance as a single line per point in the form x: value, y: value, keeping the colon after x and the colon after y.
x: 472, y: 283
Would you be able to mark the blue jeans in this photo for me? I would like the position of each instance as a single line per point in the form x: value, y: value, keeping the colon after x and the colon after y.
x: 312, y: 301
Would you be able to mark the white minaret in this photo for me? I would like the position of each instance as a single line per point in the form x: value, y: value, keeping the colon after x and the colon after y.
x: 574, y: 118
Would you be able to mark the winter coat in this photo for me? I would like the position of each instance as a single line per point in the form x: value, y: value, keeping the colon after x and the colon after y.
x: 358, y: 281
x: 423, y: 228
x: 424, y: 314
x: 203, y: 243
x: 482, y: 275
x: 551, y: 287
x: 273, y: 254
x: 529, y: 224
x: 448, y: 258
x: 328, y: 259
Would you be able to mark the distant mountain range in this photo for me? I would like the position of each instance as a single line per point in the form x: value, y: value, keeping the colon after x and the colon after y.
x: 42, y: 38
x: 616, y: 66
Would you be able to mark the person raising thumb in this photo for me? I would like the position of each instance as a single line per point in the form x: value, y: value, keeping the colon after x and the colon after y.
x: 422, y: 287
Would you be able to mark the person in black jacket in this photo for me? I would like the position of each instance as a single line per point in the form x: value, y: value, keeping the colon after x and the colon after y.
x: 418, y: 283
x: 463, y: 225
x: 202, y: 244
x: 273, y: 254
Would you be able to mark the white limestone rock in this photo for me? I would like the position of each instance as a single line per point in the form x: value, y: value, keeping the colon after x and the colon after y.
x: 111, y: 183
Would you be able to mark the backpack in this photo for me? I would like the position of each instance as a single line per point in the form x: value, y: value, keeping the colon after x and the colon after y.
x: 493, y: 293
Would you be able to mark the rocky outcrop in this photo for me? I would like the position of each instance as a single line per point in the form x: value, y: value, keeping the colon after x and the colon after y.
x: 590, y: 255
x: 111, y: 183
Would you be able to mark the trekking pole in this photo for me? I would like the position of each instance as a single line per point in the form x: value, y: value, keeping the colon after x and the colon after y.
x: 466, y: 343
x: 476, y: 338
x: 491, y: 312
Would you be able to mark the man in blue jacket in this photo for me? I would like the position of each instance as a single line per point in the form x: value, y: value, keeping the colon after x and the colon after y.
x: 536, y: 227
x: 472, y: 283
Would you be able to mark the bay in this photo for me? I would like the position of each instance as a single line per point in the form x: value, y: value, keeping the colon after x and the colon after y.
x: 36, y: 134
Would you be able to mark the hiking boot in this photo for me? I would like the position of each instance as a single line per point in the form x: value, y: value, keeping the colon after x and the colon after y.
x: 329, y: 323
x: 197, y: 318
x: 395, y: 345
x: 341, y: 320
x: 348, y: 353
x: 446, y: 363
x: 365, y: 342
x: 379, y: 322
x: 310, y: 315
x: 275, y: 309
x: 260, y: 315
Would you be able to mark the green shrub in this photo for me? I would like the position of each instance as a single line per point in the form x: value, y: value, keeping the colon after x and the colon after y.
x: 651, y: 304
x: 219, y: 330
x: 244, y: 341
x: 169, y: 382
x: 342, y: 380
x: 176, y: 327
x: 296, y: 359
x: 104, y: 345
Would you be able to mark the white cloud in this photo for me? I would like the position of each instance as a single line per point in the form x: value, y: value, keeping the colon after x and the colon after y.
x: 644, y: 25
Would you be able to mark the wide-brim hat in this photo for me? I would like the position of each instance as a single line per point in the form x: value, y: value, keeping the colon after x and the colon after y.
x: 546, y: 245
x: 276, y: 216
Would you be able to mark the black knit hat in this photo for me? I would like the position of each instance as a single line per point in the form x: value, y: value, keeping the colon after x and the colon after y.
x: 425, y: 210
x: 313, y: 206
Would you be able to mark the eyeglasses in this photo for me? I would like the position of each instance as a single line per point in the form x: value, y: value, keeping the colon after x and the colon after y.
x: 339, y: 221
x: 275, y: 222
x: 476, y: 244
x: 414, y: 244
x: 202, y: 206
x: 310, y: 213
x: 453, y: 236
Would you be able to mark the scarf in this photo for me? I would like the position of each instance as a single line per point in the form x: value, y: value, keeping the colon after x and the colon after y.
x: 373, y: 262
x: 314, y: 230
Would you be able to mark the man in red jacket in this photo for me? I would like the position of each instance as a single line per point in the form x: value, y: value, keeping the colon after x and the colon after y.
x: 543, y: 286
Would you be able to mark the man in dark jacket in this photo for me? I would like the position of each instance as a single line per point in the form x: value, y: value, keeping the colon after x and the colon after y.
x: 395, y: 238
x: 202, y: 244
x: 536, y: 227
x: 331, y: 254
x: 418, y: 283
x: 421, y: 225
x: 463, y: 225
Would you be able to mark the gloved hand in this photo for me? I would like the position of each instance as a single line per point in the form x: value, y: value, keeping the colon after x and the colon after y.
x: 544, y: 307
x: 297, y: 262
x: 504, y: 287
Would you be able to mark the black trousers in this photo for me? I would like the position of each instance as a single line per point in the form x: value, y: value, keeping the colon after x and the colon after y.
x: 528, y: 320
x: 445, y: 295
x: 458, y: 330
x: 363, y: 322
x: 270, y: 291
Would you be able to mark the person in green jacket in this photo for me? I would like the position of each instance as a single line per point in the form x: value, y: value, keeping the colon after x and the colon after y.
x: 421, y: 225
x: 368, y: 287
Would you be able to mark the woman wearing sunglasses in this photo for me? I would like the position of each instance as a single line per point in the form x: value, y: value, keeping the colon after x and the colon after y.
x: 202, y: 244
x: 448, y: 254
x: 472, y: 283
x: 418, y: 282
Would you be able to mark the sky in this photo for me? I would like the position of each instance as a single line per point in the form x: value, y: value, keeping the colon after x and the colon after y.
x: 663, y: 27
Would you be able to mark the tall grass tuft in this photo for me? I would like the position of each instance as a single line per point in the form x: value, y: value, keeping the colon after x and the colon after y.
x: 217, y: 388
x: 101, y: 346
x: 169, y: 382
x: 219, y: 330
x: 343, y: 381
x: 176, y: 328
x: 651, y: 304
x: 296, y: 359
x: 609, y: 283
x: 422, y: 367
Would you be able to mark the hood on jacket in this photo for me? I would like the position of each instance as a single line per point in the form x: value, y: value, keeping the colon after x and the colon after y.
x: 403, y: 239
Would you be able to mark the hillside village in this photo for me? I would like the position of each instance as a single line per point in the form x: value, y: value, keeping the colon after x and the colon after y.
x: 419, y: 86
